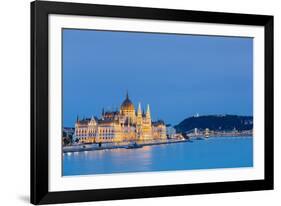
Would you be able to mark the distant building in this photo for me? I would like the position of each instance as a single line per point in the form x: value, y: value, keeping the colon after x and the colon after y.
x: 171, y: 132
x: 127, y: 124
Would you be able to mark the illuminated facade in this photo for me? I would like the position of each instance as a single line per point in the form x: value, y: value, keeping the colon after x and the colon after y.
x: 127, y: 124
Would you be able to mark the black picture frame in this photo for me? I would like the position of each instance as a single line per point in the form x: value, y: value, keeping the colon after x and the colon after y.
x: 40, y: 113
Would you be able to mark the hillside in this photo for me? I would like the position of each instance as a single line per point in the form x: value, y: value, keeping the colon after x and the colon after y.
x: 216, y: 123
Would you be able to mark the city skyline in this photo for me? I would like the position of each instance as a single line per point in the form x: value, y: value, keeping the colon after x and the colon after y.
x: 178, y: 75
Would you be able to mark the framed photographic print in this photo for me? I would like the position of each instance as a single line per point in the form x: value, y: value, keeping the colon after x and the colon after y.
x: 130, y: 102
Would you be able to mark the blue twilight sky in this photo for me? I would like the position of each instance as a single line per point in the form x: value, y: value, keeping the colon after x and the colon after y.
x: 178, y: 75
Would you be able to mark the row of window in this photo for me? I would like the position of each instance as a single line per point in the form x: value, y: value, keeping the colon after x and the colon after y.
x: 93, y: 131
x: 86, y: 138
x: 94, y: 135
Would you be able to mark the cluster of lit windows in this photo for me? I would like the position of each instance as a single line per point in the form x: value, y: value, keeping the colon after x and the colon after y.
x: 107, y: 137
x: 106, y: 130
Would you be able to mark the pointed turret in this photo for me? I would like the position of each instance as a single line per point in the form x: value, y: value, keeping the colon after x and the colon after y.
x: 139, y: 122
x: 139, y: 110
x: 127, y: 95
x: 147, y: 115
x: 139, y: 115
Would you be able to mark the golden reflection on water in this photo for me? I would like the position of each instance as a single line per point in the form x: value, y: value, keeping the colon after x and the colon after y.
x: 196, y: 155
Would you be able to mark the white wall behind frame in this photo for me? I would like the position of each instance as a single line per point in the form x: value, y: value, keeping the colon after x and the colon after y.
x: 14, y: 90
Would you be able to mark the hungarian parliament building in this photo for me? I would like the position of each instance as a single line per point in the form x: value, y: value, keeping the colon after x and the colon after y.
x: 127, y: 124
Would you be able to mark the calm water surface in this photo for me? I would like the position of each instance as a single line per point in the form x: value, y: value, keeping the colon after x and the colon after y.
x: 225, y: 152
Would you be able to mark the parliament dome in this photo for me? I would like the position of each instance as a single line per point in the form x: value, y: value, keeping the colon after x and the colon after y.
x: 127, y: 104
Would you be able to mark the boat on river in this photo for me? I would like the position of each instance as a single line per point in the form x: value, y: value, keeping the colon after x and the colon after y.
x: 134, y: 146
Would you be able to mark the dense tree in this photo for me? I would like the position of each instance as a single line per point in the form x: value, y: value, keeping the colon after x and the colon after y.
x: 216, y: 123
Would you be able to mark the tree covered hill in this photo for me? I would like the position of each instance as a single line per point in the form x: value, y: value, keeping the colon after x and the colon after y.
x: 216, y: 123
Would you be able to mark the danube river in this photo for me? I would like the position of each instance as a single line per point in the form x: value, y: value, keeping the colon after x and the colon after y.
x: 220, y: 152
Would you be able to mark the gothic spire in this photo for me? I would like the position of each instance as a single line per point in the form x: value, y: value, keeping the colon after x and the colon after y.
x: 148, y: 112
x: 139, y: 109
x: 127, y: 95
x: 139, y: 116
